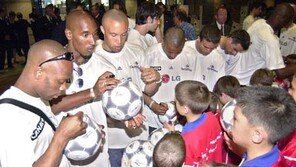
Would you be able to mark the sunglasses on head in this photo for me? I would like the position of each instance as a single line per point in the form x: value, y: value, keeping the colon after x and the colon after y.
x: 66, y: 56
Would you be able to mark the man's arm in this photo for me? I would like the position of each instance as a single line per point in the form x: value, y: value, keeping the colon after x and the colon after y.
x: 70, y: 127
x: 286, y: 72
x: 67, y: 102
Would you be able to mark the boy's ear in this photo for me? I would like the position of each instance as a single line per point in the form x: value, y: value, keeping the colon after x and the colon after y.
x: 258, y: 135
x: 149, y: 20
x: 186, y: 109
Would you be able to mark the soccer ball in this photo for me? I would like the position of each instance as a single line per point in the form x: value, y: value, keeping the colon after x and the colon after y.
x: 227, y: 114
x: 139, y: 153
x: 170, y: 114
x: 86, y: 145
x: 156, y: 135
x: 123, y: 102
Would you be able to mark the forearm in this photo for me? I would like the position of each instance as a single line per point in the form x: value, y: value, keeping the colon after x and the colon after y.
x: 286, y: 72
x: 68, y: 102
x: 151, y: 89
x: 53, y: 155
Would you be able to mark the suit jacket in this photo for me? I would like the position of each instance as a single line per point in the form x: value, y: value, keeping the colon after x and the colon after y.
x: 227, y: 28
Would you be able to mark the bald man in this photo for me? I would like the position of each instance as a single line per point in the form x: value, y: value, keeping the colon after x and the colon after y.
x: 211, y: 61
x: 29, y: 140
x: 175, y: 62
x: 129, y: 61
x: 90, y: 79
x: 264, y: 52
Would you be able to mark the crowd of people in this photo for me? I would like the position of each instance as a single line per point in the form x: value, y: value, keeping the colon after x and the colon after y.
x: 67, y: 71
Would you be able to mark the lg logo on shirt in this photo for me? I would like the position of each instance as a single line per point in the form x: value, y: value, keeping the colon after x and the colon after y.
x: 166, y: 78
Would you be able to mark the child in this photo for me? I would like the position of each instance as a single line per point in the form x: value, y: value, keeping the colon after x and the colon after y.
x: 263, y: 116
x: 169, y: 151
x: 225, y: 88
x: 202, y: 132
x: 262, y: 77
x: 287, y: 145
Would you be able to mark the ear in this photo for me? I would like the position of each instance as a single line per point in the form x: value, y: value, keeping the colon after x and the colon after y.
x: 186, y: 109
x: 258, y: 135
x: 68, y: 34
x: 102, y: 29
x: 149, y: 20
x: 38, y: 73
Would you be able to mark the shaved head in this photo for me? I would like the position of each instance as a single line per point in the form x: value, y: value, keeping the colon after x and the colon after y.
x: 44, y: 50
x: 47, y: 80
x: 173, y: 42
x: 74, y: 18
x: 174, y: 36
x: 114, y: 15
x: 282, y: 16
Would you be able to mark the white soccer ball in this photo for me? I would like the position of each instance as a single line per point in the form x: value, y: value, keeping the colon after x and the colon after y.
x: 86, y: 145
x: 139, y: 153
x: 156, y: 135
x: 227, y: 114
x: 170, y: 114
x: 123, y: 102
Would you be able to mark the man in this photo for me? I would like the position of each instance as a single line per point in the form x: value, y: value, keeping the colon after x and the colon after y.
x: 89, y: 81
x: 28, y: 139
x: 3, y: 37
x: 175, y: 62
x: 265, y: 49
x: 231, y: 47
x: 180, y: 20
x: 211, y: 61
x: 256, y: 10
x: 97, y: 15
x: 129, y: 61
x: 220, y: 21
x: 147, y: 20
x: 288, y: 37
x: 23, y: 44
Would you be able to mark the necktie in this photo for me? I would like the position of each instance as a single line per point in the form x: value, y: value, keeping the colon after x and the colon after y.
x: 222, y: 29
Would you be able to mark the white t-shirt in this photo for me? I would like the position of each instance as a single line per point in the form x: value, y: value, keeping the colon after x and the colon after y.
x: 288, y: 41
x: 249, y: 20
x: 230, y: 61
x: 127, y: 63
x: 20, y: 142
x: 91, y: 71
x: 184, y: 67
x: 264, y: 52
x: 134, y: 37
x: 212, y: 65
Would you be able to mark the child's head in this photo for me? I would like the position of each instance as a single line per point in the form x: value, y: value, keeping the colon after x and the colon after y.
x: 262, y: 115
x: 169, y: 151
x: 262, y: 77
x: 215, y: 103
x: 292, y: 90
x: 193, y: 95
x: 225, y: 88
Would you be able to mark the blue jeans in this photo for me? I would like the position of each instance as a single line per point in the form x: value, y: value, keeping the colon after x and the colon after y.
x: 115, y: 156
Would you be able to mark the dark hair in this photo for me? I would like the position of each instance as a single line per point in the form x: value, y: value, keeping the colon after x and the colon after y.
x: 227, y: 84
x: 169, y: 151
x: 194, y: 94
x: 262, y: 77
x: 19, y: 15
x: 72, y: 6
x: 214, y: 102
x: 241, y: 37
x: 181, y: 14
x: 145, y: 10
x: 121, y: 6
x: 272, y: 108
x: 222, y: 6
x: 256, y: 4
x: 210, y: 33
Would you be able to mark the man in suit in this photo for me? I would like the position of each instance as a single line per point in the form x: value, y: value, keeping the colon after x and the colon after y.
x: 220, y: 20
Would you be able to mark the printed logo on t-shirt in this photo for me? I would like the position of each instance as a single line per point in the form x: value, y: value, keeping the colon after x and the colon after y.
x: 171, y: 68
x: 167, y: 78
x: 186, y: 68
x: 119, y: 68
x: 157, y: 68
x: 136, y: 65
x: 212, y: 68
x: 38, y: 130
